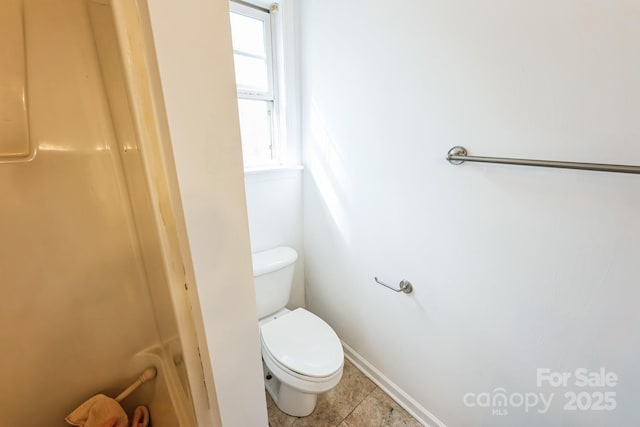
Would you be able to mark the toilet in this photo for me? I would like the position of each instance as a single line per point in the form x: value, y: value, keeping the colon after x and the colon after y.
x: 301, y: 355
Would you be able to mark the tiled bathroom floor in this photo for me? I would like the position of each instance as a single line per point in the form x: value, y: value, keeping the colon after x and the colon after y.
x: 354, y: 402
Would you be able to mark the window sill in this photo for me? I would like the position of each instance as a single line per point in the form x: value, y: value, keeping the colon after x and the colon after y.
x: 272, y: 170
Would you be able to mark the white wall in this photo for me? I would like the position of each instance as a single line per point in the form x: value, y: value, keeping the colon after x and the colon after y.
x: 514, y: 268
x: 196, y: 71
x: 274, y: 206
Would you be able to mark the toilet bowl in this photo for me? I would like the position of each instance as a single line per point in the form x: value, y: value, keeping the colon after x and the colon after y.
x: 302, y: 356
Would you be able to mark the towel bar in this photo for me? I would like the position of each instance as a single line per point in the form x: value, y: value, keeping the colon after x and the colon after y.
x: 148, y: 374
x: 458, y: 155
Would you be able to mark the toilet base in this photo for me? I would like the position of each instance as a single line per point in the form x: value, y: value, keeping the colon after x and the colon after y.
x: 288, y: 399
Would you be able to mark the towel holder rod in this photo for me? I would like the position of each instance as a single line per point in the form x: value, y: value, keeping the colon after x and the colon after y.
x: 147, y: 375
x: 458, y: 155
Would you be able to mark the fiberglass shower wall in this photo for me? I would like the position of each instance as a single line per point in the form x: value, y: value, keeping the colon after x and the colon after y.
x: 85, y: 306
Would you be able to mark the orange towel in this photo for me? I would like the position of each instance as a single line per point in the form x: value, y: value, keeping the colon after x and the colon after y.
x: 98, y: 411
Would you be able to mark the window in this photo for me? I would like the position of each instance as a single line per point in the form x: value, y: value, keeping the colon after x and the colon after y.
x: 255, y: 81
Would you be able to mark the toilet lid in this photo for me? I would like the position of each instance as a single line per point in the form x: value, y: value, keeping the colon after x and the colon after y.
x: 304, y: 343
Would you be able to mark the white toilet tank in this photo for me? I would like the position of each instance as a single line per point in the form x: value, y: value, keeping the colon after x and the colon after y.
x: 273, y: 275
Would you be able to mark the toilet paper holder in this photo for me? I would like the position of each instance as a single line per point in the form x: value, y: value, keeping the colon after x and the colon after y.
x: 405, y: 286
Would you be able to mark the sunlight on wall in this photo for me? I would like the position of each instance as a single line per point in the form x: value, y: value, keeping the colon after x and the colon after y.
x: 326, y: 167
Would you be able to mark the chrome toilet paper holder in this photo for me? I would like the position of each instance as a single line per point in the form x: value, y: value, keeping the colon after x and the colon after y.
x: 405, y: 286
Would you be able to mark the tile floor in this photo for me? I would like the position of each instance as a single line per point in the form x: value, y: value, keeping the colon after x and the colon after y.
x: 354, y: 402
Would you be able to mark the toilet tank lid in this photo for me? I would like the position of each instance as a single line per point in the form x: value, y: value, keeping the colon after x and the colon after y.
x: 272, y: 260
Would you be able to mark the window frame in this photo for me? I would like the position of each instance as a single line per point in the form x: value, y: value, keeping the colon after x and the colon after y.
x: 273, y: 95
x: 263, y: 15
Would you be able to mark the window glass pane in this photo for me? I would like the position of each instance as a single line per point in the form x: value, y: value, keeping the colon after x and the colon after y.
x: 247, y: 34
x: 255, y: 131
x: 251, y: 73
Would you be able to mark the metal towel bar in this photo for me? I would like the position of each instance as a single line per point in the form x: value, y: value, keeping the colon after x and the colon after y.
x: 147, y: 375
x: 458, y: 155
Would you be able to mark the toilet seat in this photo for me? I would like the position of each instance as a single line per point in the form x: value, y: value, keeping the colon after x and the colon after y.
x: 303, y: 345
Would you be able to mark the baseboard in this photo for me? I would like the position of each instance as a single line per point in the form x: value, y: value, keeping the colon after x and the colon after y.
x: 416, y: 410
